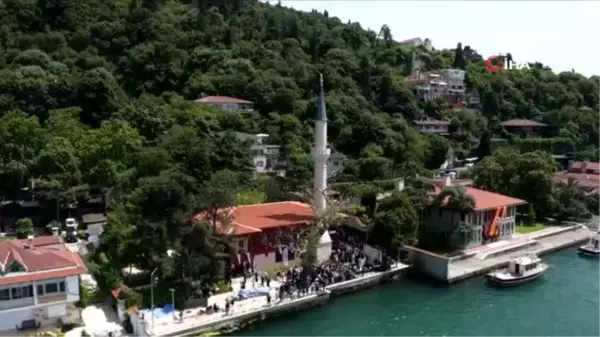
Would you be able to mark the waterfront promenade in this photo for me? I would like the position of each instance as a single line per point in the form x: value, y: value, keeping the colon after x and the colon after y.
x: 246, y: 310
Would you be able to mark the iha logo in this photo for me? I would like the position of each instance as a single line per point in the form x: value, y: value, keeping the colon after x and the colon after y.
x: 497, y: 63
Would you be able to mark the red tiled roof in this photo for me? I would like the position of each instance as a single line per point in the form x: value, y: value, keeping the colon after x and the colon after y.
x: 588, y: 182
x: 220, y: 99
x: 49, y: 258
x: 485, y: 199
x: 521, y: 122
x: 247, y: 219
x: 585, y: 165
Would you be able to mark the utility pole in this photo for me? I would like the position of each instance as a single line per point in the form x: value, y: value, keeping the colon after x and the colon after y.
x: 152, y: 296
x: 173, y: 301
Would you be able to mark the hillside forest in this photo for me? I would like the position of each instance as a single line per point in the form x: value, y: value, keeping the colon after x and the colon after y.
x: 100, y: 94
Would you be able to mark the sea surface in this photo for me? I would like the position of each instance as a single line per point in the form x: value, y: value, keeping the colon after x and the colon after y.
x: 564, y: 302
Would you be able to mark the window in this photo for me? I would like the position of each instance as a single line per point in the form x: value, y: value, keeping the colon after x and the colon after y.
x: 27, y: 291
x: 243, y: 245
x: 51, y: 288
x: 15, y: 293
x: 40, y: 289
x: 336, y: 163
x: 260, y: 163
x: 4, y: 294
x: 61, y: 286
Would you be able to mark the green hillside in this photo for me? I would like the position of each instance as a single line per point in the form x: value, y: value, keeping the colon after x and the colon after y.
x: 99, y: 93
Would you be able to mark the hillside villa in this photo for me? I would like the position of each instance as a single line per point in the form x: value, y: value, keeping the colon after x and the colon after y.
x: 492, y: 218
x: 523, y: 127
x: 39, y: 283
x: 226, y: 103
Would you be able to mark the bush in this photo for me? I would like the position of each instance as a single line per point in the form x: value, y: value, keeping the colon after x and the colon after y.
x: 222, y: 287
x: 24, y: 228
x: 130, y: 296
x: 84, y: 296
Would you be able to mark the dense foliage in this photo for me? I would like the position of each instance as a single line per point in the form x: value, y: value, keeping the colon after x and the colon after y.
x: 99, y: 94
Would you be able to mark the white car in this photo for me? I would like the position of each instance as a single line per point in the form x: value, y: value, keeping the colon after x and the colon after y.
x: 70, y: 222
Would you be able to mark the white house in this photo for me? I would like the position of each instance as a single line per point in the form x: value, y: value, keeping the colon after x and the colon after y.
x: 225, y: 103
x: 39, y: 282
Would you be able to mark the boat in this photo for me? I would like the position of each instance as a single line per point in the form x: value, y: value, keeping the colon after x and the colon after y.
x: 592, y: 248
x: 520, y: 270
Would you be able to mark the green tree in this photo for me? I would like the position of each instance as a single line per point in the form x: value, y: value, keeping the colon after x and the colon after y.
x: 24, y: 228
x: 459, y: 58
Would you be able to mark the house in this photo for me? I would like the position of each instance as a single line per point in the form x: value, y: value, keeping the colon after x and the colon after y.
x: 586, y: 174
x: 447, y: 84
x: 39, y: 282
x: 417, y: 42
x: 265, y: 234
x: 492, y: 218
x: 265, y: 156
x: 432, y: 126
x: 225, y: 103
x: 523, y: 127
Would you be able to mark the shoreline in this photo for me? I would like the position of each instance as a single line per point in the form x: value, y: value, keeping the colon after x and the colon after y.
x: 456, y: 269
x: 229, y: 324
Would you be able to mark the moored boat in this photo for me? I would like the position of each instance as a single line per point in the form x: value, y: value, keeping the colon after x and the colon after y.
x: 592, y: 248
x: 520, y: 270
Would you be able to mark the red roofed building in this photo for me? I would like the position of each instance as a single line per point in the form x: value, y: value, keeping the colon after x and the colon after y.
x: 225, y: 103
x: 39, y: 279
x: 586, y: 174
x: 493, y: 216
x: 523, y: 127
x: 262, y: 229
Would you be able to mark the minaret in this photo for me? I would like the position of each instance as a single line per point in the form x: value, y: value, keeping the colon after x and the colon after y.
x: 320, y: 152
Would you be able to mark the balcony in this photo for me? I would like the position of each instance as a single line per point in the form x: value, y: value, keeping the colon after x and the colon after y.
x: 52, y: 298
x: 17, y: 303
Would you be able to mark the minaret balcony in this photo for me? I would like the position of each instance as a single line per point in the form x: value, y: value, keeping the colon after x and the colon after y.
x: 321, y: 152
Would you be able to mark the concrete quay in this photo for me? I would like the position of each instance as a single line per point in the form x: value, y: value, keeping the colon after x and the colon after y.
x: 479, y: 261
x: 249, y: 311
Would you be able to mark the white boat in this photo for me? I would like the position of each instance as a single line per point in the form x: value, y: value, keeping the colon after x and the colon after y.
x: 592, y: 248
x: 520, y: 270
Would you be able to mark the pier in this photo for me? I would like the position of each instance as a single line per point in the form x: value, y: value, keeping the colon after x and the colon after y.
x: 476, y: 262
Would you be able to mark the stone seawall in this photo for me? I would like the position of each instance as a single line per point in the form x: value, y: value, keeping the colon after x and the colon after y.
x: 258, y: 315
x: 451, y: 271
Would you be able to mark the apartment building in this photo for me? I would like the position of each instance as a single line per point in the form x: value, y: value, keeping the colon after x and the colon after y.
x: 447, y: 84
x: 39, y: 282
x: 432, y: 126
x: 228, y: 104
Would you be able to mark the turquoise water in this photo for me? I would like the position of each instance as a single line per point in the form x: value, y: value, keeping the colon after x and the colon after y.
x: 565, y: 302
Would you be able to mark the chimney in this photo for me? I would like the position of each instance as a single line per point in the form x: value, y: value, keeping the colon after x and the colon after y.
x: 30, y: 242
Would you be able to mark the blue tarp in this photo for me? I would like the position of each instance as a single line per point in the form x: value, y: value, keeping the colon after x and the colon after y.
x: 160, y: 312
x: 250, y: 293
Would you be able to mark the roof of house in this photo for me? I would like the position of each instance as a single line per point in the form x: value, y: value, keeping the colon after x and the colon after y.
x: 589, y: 182
x: 585, y: 165
x: 49, y: 258
x: 484, y: 200
x: 91, y: 218
x: 521, y: 122
x: 247, y: 219
x: 432, y: 122
x: 221, y: 99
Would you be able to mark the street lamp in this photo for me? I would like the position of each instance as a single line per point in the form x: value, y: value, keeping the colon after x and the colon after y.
x: 173, y: 301
x: 152, y: 296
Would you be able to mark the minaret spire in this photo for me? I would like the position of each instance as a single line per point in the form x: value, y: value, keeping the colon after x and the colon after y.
x: 320, y: 151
